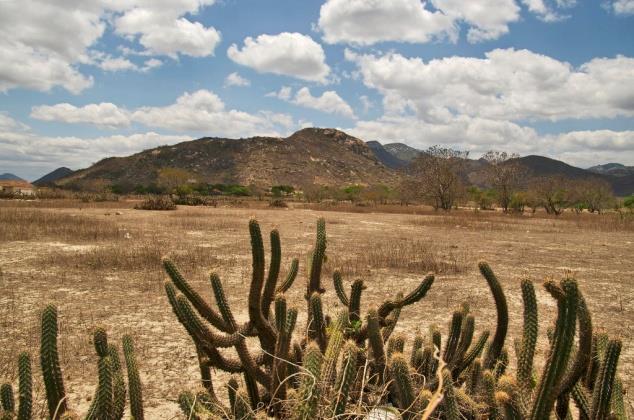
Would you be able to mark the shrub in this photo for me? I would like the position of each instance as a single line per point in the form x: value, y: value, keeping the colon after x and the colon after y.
x: 194, y: 200
x: 161, y: 202
x: 277, y: 202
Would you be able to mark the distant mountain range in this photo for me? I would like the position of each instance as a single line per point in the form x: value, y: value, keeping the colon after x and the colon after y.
x: 10, y: 177
x: 309, y: 156
x: 50, y: 178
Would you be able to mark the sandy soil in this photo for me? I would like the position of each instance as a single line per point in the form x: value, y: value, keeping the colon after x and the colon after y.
x: 118, y: 282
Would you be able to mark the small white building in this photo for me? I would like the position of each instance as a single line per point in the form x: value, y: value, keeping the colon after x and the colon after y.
x: 10, y: 186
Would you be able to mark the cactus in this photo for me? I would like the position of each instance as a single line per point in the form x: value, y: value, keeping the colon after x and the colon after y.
x: 134, y: 380
x: 346, y: 378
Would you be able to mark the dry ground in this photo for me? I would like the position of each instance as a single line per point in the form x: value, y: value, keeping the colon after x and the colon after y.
x: 100, y: 264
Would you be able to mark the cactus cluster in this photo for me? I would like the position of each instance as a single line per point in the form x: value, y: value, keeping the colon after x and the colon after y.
x: 351, y: 363
x: 110, y: 396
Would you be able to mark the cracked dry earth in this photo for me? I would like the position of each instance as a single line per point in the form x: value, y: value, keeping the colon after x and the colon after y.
x: 114, y: 278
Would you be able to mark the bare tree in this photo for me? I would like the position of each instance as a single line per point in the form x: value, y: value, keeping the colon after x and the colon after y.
x: 505, y: 174
x: 439, y: 170
x: 551, y: 192
x: 593, y: 194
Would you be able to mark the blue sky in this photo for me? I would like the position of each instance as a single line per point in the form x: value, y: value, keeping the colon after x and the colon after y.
x: 96, y: 78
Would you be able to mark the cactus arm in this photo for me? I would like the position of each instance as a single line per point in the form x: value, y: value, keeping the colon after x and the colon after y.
x: 280, y: 363
x: 605, y: 381
x: 526, y: 352
x: 618, y: 404
x: 134, y: 379
x: 395, y: 344
x: 346, y: 378
x: 416, y: 346
x: 466, y: 338
x: 25, y: 387
x: 314, y: 279
x: 563, y: 338
x: 582, y: 401
x: 454, y: 336
x: 290, y: 277
x: 104, y: 404
x: 7, y: 401
x: 331, y: 355
x: 274, y: 273
x: 118, y: 383
x: 488, y: 385
x: 473, y: 353
x: 317, y: 325
x: 376, y: 343
x: 451, y: 410
x: 266, y: 334
x: 49, y: 359
x: 354, y: 307
x: 399, y: 371
x: 584, y: 353
x: 309, y: 387
x: 341, y: 293
x: 280, y: 315
x: 494, y: 350
x: 199, y: 303
x: 414, y: 296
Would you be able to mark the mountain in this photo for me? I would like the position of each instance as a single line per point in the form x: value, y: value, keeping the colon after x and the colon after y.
x: 10, y: 177
x: 402, y: 151
x: 622, y: 185
x: 50, y: 178
x: 309, y: 156
x: 384, y: 156
x: 615, y: 169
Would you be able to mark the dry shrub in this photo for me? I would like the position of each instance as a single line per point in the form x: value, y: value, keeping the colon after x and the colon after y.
x: 18, y: 224
x: 156, y: 203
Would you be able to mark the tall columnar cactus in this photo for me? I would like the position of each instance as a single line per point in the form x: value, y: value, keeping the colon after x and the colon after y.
x: 342, y: 366
x: 110, y: 396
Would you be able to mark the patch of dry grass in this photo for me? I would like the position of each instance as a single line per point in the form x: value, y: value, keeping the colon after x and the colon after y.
x: 18, y: 224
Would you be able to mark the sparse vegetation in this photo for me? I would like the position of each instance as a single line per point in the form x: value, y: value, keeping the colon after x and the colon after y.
x: 353, y: 364
x: 161, y: 202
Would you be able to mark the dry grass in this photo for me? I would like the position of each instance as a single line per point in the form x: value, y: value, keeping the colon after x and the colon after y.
x: 105, y: 270
x: 29, y: 224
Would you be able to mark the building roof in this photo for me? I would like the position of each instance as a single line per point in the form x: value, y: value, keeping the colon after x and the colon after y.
x: 14, y: 183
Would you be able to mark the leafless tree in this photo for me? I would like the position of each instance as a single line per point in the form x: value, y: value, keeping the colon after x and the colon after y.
x: 505, y: 174
x: 593, y: 194
x: 551, y: 192
x: 439, y: 170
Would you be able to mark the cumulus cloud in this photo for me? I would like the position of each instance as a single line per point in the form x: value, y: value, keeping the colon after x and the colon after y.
x: 363, y: 22
x: 201, y: 111
x: 623, y: 7
x: 105, y: 115
x: 234, y: 79
x: 43, y: 42
x: 329, y: 102
x: 289, y: 54
x: 161, y: 29
x: 506, y: 84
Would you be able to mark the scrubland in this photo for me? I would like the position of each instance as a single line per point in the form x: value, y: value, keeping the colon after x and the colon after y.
x: 100, y: 263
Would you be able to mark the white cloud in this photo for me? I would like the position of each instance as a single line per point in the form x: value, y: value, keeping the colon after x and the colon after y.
x: 623, y: 7
x: 201, y: 111
x: 289, y: 54
x: 488, y: 19
x: 366, y: 22
x: 505, y: 85
x: 43, y: 42
x: 204, y: 112
x: 478, y: 135
x: 329, y: 102
x: 150, y: 64
x: 234, y: 79
x: 117, y: 64
x: 163, y: 33
x: 549, y: 12
x: 104, y: 115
